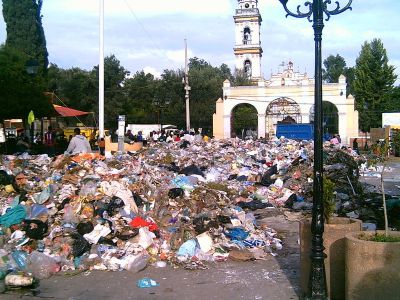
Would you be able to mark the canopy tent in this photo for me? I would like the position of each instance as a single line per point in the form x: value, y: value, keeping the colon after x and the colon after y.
x: 69, y: 112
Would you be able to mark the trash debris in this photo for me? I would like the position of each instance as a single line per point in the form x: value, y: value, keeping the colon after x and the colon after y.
x: 179, y: 204
x: 147, y: 283
x: 18, y: 280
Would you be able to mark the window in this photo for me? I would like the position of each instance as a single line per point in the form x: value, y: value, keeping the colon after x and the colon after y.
x: 246, y: 36
x: 247, y: 67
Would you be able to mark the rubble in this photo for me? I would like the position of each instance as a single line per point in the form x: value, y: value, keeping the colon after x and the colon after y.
x: 184, y: 206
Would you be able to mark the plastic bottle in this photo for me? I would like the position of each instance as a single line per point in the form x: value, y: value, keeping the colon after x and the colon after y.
x: 41, y: 265
x: 21, y: 258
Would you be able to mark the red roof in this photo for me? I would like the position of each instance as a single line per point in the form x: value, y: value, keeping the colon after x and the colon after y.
x: 69, y: 112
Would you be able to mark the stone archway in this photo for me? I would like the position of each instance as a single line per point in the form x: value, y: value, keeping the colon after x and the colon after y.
x: 244, y: 120
x: 330, y: 118
x: 281, y: 110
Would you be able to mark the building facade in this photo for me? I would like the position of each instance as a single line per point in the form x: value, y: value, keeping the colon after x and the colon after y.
x: 247, y: 50
x: 287, y: 96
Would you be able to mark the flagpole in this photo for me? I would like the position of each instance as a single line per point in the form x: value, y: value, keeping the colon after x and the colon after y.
x: 101, y: 71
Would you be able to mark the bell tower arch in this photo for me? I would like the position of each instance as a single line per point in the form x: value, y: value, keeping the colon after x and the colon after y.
x: 248, y: 51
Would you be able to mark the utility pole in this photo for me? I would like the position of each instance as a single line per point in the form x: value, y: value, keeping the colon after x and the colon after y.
x: 101, y: 71
x: 187, y: 89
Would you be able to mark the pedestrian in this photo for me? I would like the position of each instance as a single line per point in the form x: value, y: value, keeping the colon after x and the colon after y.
x: 102, y: 146
x: 78, y: 144
x: 22, y: 144
x: 50, y: 142
x: 355, y: 146
x: 130, y: 135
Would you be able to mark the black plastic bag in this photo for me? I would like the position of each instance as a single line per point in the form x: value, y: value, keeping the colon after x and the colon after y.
x: 138, y: 200
x: 266, y: 178
x: 253, y: 205
x: 80, y: 245
x: 35, y: 229
x: 175, y: 193
x: 232, y: 176
x: 84, y: 227
x: 173, y: 168
x: 5, y: 179
x: 184, y: 145
x: 192, y: 170
x: 114, y: 205
x: 290, y: 201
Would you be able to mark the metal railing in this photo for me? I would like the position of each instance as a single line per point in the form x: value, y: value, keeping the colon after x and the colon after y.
x: 247, y: 11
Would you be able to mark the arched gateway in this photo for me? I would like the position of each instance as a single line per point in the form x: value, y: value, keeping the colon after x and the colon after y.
x: 293, y: 101
x: 288, y: 96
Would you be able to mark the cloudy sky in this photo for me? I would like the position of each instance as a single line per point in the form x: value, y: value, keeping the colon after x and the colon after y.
x: 150, y: 35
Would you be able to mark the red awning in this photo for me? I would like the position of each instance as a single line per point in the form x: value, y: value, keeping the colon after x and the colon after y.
x: 69, y: 112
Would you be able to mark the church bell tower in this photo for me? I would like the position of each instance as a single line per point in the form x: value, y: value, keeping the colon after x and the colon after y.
x: 247, y: 48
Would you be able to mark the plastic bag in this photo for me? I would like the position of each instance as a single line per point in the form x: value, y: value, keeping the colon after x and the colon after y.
x: 41, y: 265
x: 69, y: 215
x: 187, y: 249
x: 175, y: 193
x: 35, y: 229
x: 18, y: 280
x: 147, y: 283
x: 136, y: 263
x: 236, y: 233
x: 145, y: 237
x: 89, y: 188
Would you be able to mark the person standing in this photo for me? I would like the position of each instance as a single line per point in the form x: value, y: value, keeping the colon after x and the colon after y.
x: 355, y: 146
x: 78, y: 144
x: 50, y: 142
x: 102, y: 146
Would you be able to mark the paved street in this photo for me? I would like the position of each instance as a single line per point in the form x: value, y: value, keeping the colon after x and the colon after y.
x: 275, y: 278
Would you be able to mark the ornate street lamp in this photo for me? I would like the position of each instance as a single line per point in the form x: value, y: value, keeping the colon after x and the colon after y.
x: 315, y: 14
x: 32, y: 67
x: 160, y: 104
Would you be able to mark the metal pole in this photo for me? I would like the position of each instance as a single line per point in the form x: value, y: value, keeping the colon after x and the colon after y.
x: 101, y: 71
x: 316, y: 11
x: 317, y: 283
x: 187, y: 89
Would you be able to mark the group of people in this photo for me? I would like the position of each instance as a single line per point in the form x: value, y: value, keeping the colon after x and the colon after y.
x: 163, y: 136
x: 76, y: 144
x: 53, y: 143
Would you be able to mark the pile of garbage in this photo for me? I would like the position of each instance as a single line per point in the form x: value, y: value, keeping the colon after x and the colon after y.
x: 183, y: 204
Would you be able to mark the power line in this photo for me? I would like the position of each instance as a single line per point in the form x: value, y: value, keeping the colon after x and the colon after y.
x: 146, y: 32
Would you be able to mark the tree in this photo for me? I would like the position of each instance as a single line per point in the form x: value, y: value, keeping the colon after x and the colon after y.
x: 24, y: 29
x: 75, y: 87
x: 20, y: 93
x: 334, y: 67
x: 140, y: 91
x: 373, y: 79
x: 391, y: 100
x: 245, y: 117
x: 240, y: 78
x: 114, y: 94
x: 349, y: 73
x: 206, y: 87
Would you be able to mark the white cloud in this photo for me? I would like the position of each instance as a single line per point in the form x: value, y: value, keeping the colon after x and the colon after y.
x: 142, y: 8
x: 149, y: 34
x: 151, y: 70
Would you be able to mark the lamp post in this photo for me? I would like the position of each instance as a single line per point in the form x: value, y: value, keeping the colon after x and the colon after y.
x: 32, y: 68
x: 315, y: 14
x: 160, y: 104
